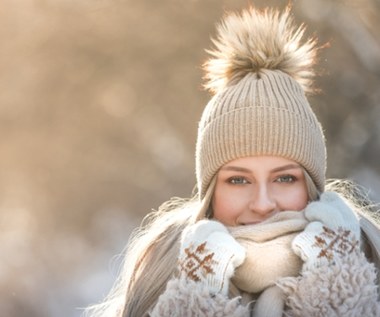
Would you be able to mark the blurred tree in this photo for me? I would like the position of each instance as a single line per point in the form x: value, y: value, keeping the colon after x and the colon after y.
x: 99, y: 104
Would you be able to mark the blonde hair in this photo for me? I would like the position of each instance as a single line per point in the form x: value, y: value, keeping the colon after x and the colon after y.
x: 150, y: 261
x: 152, y: 252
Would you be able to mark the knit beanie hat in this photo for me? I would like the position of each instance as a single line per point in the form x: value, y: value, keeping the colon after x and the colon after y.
x: 259, y: 73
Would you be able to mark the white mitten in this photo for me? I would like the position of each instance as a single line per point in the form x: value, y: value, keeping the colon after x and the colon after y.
x: 209, y: 255
x: 332, y: 233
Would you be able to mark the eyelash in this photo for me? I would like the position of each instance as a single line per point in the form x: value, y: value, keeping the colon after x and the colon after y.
x: 289, y: 179
x: 240, y: 180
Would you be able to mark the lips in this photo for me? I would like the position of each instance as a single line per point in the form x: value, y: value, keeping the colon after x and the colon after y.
x: 251, y: 223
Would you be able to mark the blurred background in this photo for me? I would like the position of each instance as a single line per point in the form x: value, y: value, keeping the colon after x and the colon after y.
x: 99, y: 104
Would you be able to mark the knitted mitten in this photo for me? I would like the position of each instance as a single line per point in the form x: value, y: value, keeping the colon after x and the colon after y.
x: 333, y: 232
x: 209, y: 255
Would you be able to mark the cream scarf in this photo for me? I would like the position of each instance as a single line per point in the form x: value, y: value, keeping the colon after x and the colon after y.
x: 269, y: 257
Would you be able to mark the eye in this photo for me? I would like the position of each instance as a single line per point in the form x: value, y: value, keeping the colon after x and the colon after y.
x: 286, y: 179
x: 237, y: 180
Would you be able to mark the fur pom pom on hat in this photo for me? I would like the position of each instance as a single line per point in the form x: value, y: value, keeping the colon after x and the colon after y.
x: 259, y: 73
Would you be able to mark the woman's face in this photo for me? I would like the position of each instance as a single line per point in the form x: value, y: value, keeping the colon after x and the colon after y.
x: 251, y: 189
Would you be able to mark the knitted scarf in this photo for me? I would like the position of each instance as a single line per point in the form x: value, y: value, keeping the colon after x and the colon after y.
x: 269, y: 257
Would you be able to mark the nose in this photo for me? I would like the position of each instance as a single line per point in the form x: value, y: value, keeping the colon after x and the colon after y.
x: 262, y: 202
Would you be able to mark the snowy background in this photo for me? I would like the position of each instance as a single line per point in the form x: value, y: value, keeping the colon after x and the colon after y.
x: 99, y: 103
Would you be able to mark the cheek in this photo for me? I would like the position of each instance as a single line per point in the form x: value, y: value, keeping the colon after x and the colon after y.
x: 226, y: 208
x: 296, y: 200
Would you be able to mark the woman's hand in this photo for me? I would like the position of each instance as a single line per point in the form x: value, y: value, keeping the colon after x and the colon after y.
x: 209, y: 255
x: 333, y: 232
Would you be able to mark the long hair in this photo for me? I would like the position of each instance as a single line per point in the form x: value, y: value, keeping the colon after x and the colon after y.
x: 150, y: 261
x: 152, y: 252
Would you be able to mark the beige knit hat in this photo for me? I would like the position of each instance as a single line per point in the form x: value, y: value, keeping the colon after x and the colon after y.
x: 259, y: 73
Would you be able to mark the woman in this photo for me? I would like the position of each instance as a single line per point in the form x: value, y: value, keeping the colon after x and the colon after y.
x: 265, y: 236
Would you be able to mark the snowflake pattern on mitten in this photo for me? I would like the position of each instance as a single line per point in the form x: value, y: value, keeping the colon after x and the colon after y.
x: 332, y: 242
x: 209, y: 255
x: 198, y: 262
x: 332, y: 234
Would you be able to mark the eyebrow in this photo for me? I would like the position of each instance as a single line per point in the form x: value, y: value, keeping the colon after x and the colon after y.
x: 247, y: 170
